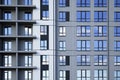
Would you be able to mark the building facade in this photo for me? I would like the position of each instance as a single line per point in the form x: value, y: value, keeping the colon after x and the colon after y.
x: 60, y: 40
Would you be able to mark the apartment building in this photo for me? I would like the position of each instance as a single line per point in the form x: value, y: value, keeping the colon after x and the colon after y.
x: 60, y: 40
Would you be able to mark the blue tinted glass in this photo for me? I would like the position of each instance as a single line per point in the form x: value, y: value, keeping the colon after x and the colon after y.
x: 115, y: 15
x: 95, y: 30
x: 83, y: 15
x: 104, y: 14
x: 44, y: 2
x: 88, y: 15
x: 78, y: 14
x: 104, y: 43
x: 118, y: 44
x: 88, y: 44
x: 104, y: 29
x: 95, y: 14
x: 118, y: 14
x: 118, y: 59
x: 62, y: 2
x: 95, y: 43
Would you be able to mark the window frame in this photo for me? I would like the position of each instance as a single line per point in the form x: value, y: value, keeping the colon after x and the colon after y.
x: 28, y: 45
x: 117, y: 60
x: 62, y: 31
x: 64, y: 60
x: 116, y: 45
x: 116, y: 3
x: 7, y: 75
x: 62, y: 45
x: 100, y: 74
x: 27, y: 30
x: 100, y: 3
x: 82, y: 45
x: 43, y: 44
x: 99, y: 45
x: 83, y: 16
x: 27, y: 2
x: 117, y: 16
x: 45, y: 2
x: 28, y: 60
x: 44, y: 59
x: 83, y: 74
x: 100, y: 60
x: 7, y: 2
x: 83, y: 31
x: 117, y: 31
x: 7, y: 45
x: 45, y: 74
x: 7, y: 30
x: 7, y: 15
x: 45, y: 14
x: 7, y: 60
x: 28, y: 75
x: 100, y: 16
x: 63, y: 16
x: 100, y: 31
x: 44, y: 30
x: 116, y: 75
x: 83, y: 3
x: 27, y: 15
x: 83, y: 60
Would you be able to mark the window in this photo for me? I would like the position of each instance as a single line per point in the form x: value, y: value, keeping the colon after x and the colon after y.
x: 117, y: 45
x: 7, y: 2
x: 83, y: 16
x: 100, y: 60
x: 100, y: 31
x: 45, y: 59
x: 45, y: 75
x: 7, y: 45
x: 83, y: 3
x: 28, y: 45
x: 7, y: 15
x: 62, y: 30
x: 7, y: 75
x: 28, y: 2
x: 117, y: 60
x: 100, y: 45
x: 100, y: 3
x: 100, y: 16
x: 63, y: 16
x: 117, y: 16
x: 45, y: 2
x: 117, y: 75
x: 83, y: 45
x: 100, y: 74
x: 28, y: 60
x: 45, y: 14
x: 64, y: 75
x: 62, y: 45
x: 28, y: 30
x: 117, y: 3
x: 28, y: 75
x: 83, y: 74
x: 83, y: 60
x: 28, y: 15
x: 7, y: 60
x: 117, y: 31
x: 83, y: 31
x: 43, y: 30
x: 7, y: 30
x: 64, y: 60
x: 63, y: 3
x: 43, y: 45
